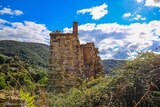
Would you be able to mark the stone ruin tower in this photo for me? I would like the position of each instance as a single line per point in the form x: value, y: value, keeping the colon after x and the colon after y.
x: 69, y: 60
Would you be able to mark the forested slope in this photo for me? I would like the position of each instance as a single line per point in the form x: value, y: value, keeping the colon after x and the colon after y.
x: 32, y: 53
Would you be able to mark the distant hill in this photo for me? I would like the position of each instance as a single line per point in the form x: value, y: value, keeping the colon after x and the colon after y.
x: 32, y: 53
x: 38, y: 54
x: 109, y: 64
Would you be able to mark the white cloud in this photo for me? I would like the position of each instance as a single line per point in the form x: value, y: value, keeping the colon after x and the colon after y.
x: 138, y: 17
x: 10, y: 12
x: 96, y: 12
x: 126, y: 15
x: 139, y: 1
x: 121, y: 41
x: 18, y: 12
x: 134, y: 16
x: 2, y: 21
x: 27, y: 31
x: 152, y: 3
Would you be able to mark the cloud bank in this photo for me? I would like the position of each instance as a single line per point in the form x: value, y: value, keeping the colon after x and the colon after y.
x: 26, y: 31
x: 121, y: 41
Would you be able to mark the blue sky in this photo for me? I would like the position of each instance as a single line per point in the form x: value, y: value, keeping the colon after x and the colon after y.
x: 119, y: 28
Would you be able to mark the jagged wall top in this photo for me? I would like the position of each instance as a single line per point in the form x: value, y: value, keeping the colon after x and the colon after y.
x: 74, y: 31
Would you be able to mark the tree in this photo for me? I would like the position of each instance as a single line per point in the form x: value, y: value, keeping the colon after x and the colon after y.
x: 2, y: 82
x: 2, y: 59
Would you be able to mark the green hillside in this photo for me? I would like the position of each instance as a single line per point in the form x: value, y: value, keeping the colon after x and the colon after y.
x: 32, y: 53
x: 110, y: 64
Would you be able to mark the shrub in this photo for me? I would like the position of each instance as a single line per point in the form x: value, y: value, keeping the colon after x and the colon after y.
x: 2, y: 59
x: 29, y: 99
x: 2, y: 82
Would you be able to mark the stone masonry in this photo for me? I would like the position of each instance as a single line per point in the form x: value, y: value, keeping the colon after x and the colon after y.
x: 70, y: 60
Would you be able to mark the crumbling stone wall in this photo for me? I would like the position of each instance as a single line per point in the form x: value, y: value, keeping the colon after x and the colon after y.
x: 69, y: 60
x: 92, y: 65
